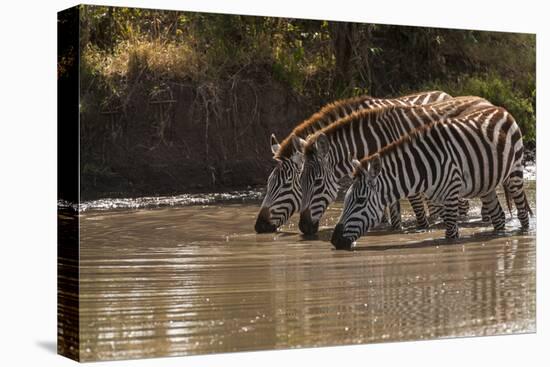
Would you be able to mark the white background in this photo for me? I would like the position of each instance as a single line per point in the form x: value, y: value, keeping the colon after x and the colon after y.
x: 28, y: 182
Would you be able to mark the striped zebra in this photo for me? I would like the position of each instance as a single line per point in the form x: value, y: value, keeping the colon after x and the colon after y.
x: 328, y: 160
x: 283, y: 194
x: 462, y: 157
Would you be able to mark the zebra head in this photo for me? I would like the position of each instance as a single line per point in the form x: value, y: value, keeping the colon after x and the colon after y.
x: 363, y: 207
x: 319, y: 184
x: 283, y: 193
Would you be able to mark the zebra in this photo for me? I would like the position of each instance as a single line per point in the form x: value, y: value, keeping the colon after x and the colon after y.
x: 283, y: 193
x: 327, y: 153
x: 461, y: 157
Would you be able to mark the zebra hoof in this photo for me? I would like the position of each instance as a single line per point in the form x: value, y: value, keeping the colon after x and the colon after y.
x: 423, y: 226
x: 397, y: 227
x: 451, y: 236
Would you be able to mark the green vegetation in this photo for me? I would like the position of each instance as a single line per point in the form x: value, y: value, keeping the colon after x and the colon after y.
x: 232, y: 75
x: 316, y: 59
x: 501, y: 92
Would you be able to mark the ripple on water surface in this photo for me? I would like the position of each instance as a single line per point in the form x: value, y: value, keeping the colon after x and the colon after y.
x: 197, y: 279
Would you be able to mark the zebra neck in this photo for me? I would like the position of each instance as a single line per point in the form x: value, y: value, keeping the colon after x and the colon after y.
x: 393, y: 124
x: 368, y: 134
x: 386, y: 128
x: 403, y: 174
x: 342, y: 166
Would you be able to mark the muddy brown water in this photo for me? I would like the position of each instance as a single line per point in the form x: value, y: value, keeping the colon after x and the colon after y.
x: 197, y: 279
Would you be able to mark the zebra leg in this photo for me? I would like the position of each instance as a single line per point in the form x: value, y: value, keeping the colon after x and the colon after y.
x: 514, y: 185
x: 486, y: 210
x: 417, y: 204
x: 463, y: 207
x: 450, y: 216
x: 384, y: 216
x: 485, y: 217
x: 395, y: 215
x: 436, y: 210
x: 493, y: 210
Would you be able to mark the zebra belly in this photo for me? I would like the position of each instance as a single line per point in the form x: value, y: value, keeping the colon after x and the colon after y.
x: 486, y: 179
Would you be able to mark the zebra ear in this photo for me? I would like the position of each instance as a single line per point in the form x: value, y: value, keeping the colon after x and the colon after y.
x: 374, y: 166
x: 298, y: 143
x: 321, y: 145
x: 274, y: 144
x: 356, y: 164
x: 354, y: 161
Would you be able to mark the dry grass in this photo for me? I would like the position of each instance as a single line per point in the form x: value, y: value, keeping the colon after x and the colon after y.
x: 163, y: 60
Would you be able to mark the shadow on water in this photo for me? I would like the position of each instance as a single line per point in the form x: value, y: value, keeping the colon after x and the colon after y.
x: 323, y: 234
x: 284, y: 234
x: 436, y: 242
x: 383, y: 230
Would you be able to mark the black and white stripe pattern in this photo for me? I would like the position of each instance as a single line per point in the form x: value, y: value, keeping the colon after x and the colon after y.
x: 462, y: 157
x: 328, y: 152
x: 283, y: 195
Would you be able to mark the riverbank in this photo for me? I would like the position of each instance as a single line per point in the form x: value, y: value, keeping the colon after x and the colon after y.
x: 245, y: 195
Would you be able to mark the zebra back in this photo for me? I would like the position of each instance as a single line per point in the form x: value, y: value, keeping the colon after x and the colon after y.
x: 364, y: 132
x: 339, y: 109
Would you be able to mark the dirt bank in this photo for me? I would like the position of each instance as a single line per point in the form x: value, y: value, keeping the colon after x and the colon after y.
x: 169, y: 138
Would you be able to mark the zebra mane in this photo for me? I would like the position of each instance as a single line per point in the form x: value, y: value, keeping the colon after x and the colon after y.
x: 329, y: 115
x: 373, y: 113
x: 329, y: 112
x: 345, y: 121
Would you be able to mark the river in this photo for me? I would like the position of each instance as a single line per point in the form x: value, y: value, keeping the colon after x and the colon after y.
x: 193, y: 279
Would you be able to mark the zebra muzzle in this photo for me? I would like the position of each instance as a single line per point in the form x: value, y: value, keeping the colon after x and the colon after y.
x: 306, y: 225
x: 263, y: 225
x: 338, y: 239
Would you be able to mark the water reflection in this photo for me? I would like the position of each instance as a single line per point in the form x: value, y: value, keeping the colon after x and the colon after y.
x: 197, y: 279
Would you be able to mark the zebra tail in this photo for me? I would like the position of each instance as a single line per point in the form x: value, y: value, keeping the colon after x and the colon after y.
x: 509, y: 201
